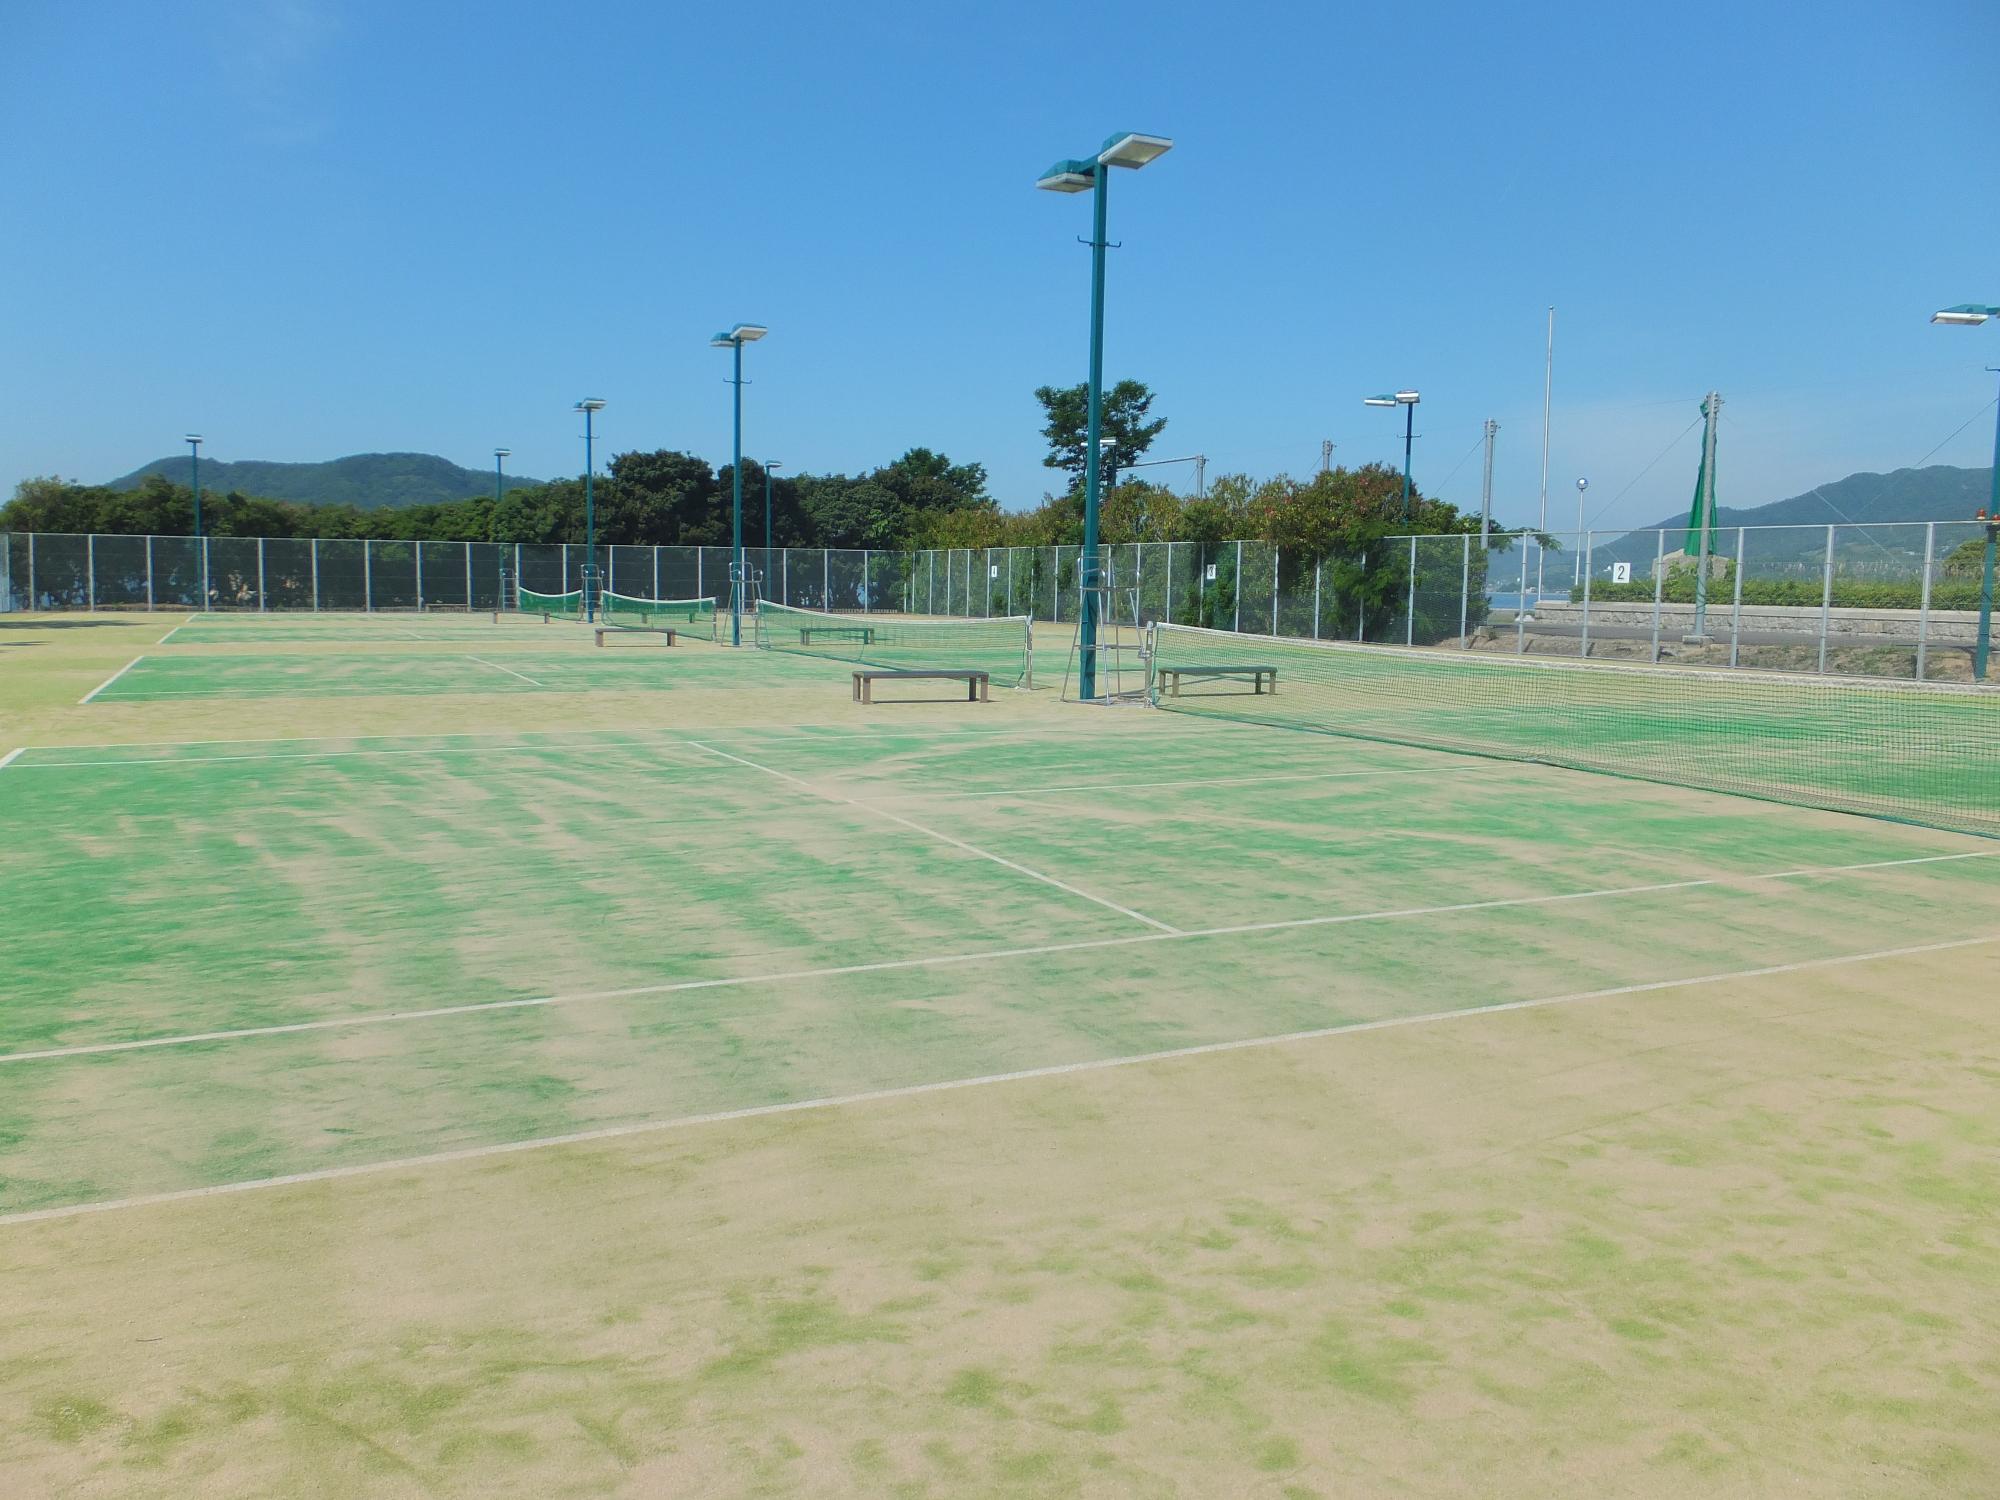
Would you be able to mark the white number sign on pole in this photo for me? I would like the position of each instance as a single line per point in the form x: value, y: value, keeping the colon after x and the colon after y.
x: 1621, y: 572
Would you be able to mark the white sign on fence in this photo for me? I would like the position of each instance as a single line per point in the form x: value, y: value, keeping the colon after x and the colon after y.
x: 993, y: 570
x: 1621, y: 572
x: 1210, y: 574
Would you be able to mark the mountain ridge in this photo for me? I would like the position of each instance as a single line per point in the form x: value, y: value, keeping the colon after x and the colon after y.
x: 367, y: 481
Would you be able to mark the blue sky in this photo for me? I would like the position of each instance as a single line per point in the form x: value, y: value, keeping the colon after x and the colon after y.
x: 307, y: 228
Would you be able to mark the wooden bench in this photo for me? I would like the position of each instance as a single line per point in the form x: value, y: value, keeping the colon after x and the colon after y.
x: 862, y: 633
x: 1170, y: 677
x: 604, y: 630
x: 976, y: 683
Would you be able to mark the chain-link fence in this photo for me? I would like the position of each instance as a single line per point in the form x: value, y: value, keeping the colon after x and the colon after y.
x: 1900, y: 600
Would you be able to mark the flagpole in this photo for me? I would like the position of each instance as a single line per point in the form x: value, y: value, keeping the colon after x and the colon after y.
x: 1705, y: 512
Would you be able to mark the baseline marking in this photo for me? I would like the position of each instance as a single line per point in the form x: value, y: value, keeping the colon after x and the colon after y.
x: 950, y: 1085
x: 8, y: 759
x: 109, y: 680
x: 1142, y: 786
x: 935, y: 961
x: 957, y: 843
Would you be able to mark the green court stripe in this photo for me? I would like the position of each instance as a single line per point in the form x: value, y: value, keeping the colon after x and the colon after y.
x: 951, y: 1085
x: 953, y: 960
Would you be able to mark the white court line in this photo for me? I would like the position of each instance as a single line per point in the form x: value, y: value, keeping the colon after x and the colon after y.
x: 109, y: 680
x: 945, y: 960
x: 170, y: 634
x: 952, y: 1085
x: 211, y: 760
x: 957, y: 843
x: 508, y: 670
x: 8, y: 759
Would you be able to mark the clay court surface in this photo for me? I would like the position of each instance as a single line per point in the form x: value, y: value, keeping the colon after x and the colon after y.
x: 443, y: 1058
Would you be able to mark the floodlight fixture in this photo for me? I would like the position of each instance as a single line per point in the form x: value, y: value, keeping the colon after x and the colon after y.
x: 1378, y: 400
x: 1966, y: 314
x: 1971, y: 315
x: 1068, y: 177
x: 1128, y: 148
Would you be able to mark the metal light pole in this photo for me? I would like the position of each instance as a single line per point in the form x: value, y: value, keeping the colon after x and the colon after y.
x: 1576, y: 573
x: 500, y: 455
x: 194, y: 472
x: 734, y: 340
x: 1486, y: 487
x: 1548, y: 392
x: 1125, y: 149
x: 773, y: 464
x: 589, y: 406
x: 1408, y: 401
x: 1972, y: 314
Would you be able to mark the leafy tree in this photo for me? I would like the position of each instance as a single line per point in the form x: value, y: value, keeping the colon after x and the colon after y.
x: 1123, y: 420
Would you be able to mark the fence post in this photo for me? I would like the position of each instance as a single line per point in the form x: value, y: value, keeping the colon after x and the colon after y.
x: 261, y: 605
x: 1736, y: 606
x: 1659, y: 588
x: 367, y: 578
x: 420, y: 574
x: 1521, y: 603
x: 1584, y: 641
x: 784, y: 575
x: 1319, y: 566
x: 33, y: 602
x: 1410, y: 603
x: 516, y: 601
x: 1361, y: 604
x: 1274, y: 590
x: 315, y: 574
x: 90, y: 569
x: 825, y: 578
x: 1826, y: 599
x: 149, y: 575
x: 656, y: 573
x: 867, y: 605
x: 1237, y: 624
x: 468, y: 577
x: 1464, y: 593
x: 1924, y: 606
x: 699, y: 591
x: 564, y: 589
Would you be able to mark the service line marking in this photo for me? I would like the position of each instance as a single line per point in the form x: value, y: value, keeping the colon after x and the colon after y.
x: 170, y: 634
x: 950, y: 960
x: 1144, y: 786
x: 951, y: 1085
x: 8, y: 759
x: 109, y: 680
x: 956, y: 843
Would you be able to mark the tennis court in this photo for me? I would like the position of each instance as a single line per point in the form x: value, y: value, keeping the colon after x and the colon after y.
x: 1016, y: 1098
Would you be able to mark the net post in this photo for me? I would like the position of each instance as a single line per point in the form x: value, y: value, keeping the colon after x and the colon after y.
x: 1464, y: 595
x: 1583, y: 647
x: 1659, y: 586
x: 1028, y: 671
x: 1924, y: 604
x: 1826, y: 599
x: 1410, y: 600
x: 90, y: 570
x: 1736, y: 602
x: 149, y: 575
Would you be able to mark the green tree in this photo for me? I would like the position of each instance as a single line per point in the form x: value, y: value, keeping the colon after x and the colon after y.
x: 1124, y: 420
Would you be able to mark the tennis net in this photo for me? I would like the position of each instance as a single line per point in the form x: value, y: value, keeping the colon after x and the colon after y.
x: 531, y: 603
x: 691, y: 617
x: 1002, y: 647
x: 1924, y: 753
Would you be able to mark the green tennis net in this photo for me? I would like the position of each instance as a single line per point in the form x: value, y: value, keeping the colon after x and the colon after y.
x: 1002, y: 647
x: 691, y: 617
x: 1924, y: 753
x: 531, y: 603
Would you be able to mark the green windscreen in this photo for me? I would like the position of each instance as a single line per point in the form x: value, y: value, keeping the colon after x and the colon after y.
x: 693, y: 617
x: 1916, y: 752
x: 1001, y: 647
x: 550, y: 604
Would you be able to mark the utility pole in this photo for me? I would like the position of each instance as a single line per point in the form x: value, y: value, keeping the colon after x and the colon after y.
x: 1325, y: 454
x: 1486, y: 487
x: 1201, y: 476
x: 1548, y: 390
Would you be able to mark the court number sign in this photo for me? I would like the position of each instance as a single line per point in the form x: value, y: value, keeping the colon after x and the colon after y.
x: 1210, y: 574
x: 1621, y: 572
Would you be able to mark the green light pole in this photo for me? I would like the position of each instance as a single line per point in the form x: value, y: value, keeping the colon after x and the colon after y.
x: 1124, y: 149
x: 1408, y: 401
x: 773, y: 464
x: 734, y: 340
x: 500, y: 455
x: 1972, y: 314
x: 590, y: 406
x: 194, y: 471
